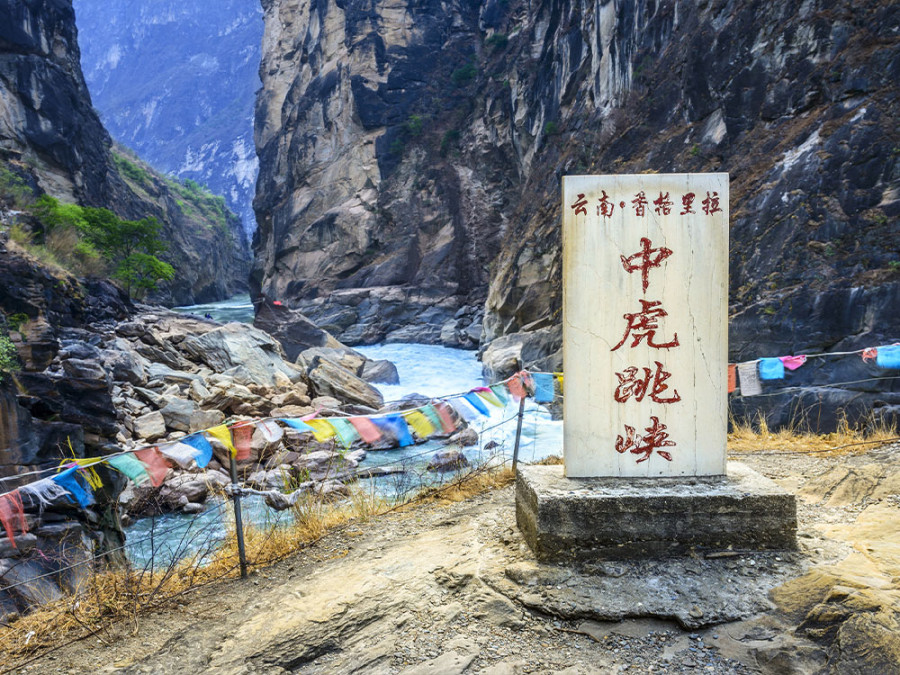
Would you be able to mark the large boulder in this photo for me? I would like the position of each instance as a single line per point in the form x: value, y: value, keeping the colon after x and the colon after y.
x: 291, y: 328
x: 330, y: 379
x: 237, y: 344
x: 184, y: 415
x: 539, y: 350
x: 150, y: 426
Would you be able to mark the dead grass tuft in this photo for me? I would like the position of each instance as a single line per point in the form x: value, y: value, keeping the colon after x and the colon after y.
x: 747, y: 437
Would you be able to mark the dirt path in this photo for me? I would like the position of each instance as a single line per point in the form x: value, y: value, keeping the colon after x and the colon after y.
x: 454, y: 589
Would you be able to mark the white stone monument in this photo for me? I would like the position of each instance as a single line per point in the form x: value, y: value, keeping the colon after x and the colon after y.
x: 645, y: 292
x: 645, y: 324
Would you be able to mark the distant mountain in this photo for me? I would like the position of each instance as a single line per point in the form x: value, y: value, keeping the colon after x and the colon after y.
x: 176, y: 81
x: 52, y: 141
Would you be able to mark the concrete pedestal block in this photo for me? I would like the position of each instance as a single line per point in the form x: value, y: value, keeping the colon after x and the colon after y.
x: 565, y: 519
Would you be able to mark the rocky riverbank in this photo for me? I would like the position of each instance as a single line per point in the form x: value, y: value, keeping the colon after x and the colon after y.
x: 99, y: 374
x: 452, y: 588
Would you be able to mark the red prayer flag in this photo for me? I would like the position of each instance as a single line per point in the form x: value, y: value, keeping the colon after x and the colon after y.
x: 366, y: 429
x: 156, y: 464
x: 516, y: 387
x: 242, y: 436
x: 446, y: 418
x: 12, y: 515
x: 732, y: 377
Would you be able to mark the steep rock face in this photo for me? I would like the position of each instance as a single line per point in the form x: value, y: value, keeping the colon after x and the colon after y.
x: 50, y: 134
x: 795, y: 100
x: 362, y: 225
x: 191, y: 113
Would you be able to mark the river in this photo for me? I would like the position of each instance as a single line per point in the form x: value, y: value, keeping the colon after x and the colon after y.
x: 430, y: 370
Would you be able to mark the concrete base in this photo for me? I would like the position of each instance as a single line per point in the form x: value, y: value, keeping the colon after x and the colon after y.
x: 585, y: 519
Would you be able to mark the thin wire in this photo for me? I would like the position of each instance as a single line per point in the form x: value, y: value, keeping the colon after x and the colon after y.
x: 817, y: 386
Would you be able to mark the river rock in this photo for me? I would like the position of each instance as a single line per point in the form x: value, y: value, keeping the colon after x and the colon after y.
x: 125, y: 366
x: 447, y: 460
x: 236, y: 344
x: 183, y: 488
x: 464, y: 437
x: 150, y: 427
x: 184, y: 415
x: 537, y: 350
x: 381, y: 371
x: 293, y: 330
x: 330, y: 379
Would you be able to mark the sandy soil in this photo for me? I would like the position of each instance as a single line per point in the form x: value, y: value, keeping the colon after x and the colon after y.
x: 454, y: 589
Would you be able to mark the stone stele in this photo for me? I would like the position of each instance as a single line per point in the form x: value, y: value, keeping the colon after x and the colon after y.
x: 645, y: 349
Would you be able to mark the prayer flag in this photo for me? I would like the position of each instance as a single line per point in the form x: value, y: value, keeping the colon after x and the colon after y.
x: 464, y: 410
x: 321, y: 429
x: 88, y: 472
x: 771, y: 369
x: 12, y: 515
x: 181, y: 454
x: 732, y: 377
x: 419, y: 422
x: 270, y: 431
x: 396, y: 426
x: 131, y: 467
x: 43, y: 493
x: 222, y: 434
x: 156, y: 465
x: 344, y: 430
x: 447, y: 422
x: 435, y: 418
x: 793, y: 362
x: 299, y: 425
x: 543, y: 388
x: 242, y: 434
x: 366, y: 429
x: 489, y: 396
x: 750, y: 384
x: 869, y: 354
x: 516, y: 387
x: 203, y: 448
x: 71, y: 481
x: 501, y: 392
x: 473, y: 400
x: 888, y: 357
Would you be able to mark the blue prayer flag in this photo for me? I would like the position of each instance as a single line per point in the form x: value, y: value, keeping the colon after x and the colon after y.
x: 203, y: 448
x: 771, y: 369
x: 396, y: 426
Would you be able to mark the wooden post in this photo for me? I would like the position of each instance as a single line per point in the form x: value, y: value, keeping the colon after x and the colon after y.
x: 518, y: 433
x: 238, y: 523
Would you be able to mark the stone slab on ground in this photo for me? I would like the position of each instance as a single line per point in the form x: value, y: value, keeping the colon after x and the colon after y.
x: 586, y: 519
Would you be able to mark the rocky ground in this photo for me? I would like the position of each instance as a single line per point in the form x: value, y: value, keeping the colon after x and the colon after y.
x: 452, y: 588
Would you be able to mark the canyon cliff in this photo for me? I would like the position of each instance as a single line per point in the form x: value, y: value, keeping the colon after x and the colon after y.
x: 411, y: 156
x: 51, y: 137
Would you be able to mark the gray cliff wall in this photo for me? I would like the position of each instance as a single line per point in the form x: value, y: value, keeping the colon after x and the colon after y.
x: 50, y: 133
x: 416, y: 149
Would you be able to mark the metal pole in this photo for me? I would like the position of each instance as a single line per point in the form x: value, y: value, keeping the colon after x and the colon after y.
x: 518, y: 432
x: 238, y: 524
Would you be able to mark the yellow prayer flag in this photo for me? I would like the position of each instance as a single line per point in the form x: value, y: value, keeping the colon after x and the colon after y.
x: 89, y: 472
x: 420, y: 424
x: 223, y: 434
x: 322, y: 429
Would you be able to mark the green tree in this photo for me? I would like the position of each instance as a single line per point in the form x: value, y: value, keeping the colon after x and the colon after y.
x: 131, y: 245
x: 9, y: 357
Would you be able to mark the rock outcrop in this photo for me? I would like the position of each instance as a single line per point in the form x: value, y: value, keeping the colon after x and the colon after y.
x: 389, y: 174
x: 51, y: 137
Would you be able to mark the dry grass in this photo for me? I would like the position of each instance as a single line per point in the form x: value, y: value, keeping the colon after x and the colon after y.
x: 123, y: 596
x: 750, y: 437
